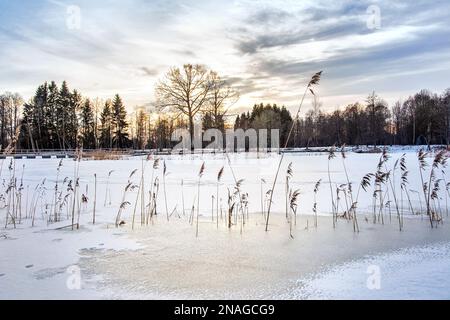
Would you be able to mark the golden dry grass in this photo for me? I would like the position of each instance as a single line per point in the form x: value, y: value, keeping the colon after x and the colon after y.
x: 103, y: 155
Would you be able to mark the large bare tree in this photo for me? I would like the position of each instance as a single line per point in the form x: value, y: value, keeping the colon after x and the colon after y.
x: 221, y: 98
x: 185, y: 92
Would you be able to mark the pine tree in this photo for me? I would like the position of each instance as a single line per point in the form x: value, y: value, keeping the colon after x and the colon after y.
x: 26, y: 129
x: 106, y: 126
x: 76, y: 102
x: 51, y: 115
x: 63, y: 113
x: 40, y: 104
x: 120, y: 134
x: 87, y: 126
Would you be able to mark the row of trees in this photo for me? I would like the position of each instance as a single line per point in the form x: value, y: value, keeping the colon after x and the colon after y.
x: 422, y: 119
x: 60, y: 118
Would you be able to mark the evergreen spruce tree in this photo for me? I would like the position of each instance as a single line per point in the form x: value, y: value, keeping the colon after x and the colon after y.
x: 26, y: 129
x: 106, y: 126
x: 87, y: 126
x: 120, y: 134
x: 51, y: 115
x: 76, y: 101
x: 40, y: 101
x: 62, y: 110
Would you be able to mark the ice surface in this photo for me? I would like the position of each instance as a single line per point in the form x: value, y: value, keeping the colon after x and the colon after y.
x: 166, y: 260
x: 223, y: 264
x: 421, y: 272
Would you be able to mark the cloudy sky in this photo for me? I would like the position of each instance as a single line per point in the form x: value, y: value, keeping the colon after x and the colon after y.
x: 267, y: 49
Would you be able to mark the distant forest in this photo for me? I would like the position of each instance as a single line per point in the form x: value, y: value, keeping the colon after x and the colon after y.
x: 60, y: 118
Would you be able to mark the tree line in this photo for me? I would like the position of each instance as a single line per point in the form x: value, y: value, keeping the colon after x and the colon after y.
x: 57, y: 117
x: 422, y: 119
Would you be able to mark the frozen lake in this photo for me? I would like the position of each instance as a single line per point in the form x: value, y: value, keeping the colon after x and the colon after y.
x: 166, y: 259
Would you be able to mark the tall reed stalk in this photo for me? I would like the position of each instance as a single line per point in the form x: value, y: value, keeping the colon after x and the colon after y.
x: 262, y: 198
x: 316, y: 190
x: 331, y: 156
x: 293, y: 198
x: 76, y: 185
x: 314, y: 81
x: 182, y: 196
x: 219, y: 177
x: 151, y: 203
x: 440, y: 160
x: 95, y: 198
x: 289, y: 174
x: 421, y: 157
x: 200, y: 175
x: 124, y: 203
x: 164, y: 187
x: 55, y: 213
x: 107, y: 191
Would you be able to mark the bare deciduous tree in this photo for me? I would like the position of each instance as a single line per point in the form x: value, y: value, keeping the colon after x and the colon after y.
x: 10, y: 109
x: 185, y: 92
x: 221, y: 98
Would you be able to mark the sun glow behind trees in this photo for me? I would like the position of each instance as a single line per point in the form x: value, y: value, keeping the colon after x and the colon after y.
x: 57, y: 117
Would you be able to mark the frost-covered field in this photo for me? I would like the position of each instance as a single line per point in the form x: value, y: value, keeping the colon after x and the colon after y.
x: 165, y: 259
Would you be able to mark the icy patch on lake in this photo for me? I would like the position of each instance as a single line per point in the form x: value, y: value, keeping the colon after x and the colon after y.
x: 413, y: 273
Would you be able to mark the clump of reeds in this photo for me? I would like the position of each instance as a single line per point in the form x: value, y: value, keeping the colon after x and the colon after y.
x: 10, y: 191
x: 431, y: 187
x: 405, y: 183
x: 351, y: 211
x: 391, y: 181
x: 421, y: 157
x: 238, y: 189
x: 124, y: 203
x: 315, y: 79
x: 240, y: 205
x: 439, y: 161
x: 76, y: 186
x: 153, y: 193
x: 56, y: 197
x: 447, y: 191
x: 437, y: 210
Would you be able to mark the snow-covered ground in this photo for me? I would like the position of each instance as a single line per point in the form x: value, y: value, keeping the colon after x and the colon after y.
x: 43, y: 261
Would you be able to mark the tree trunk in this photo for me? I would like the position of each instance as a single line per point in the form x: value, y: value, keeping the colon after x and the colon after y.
x: 191, y: 131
